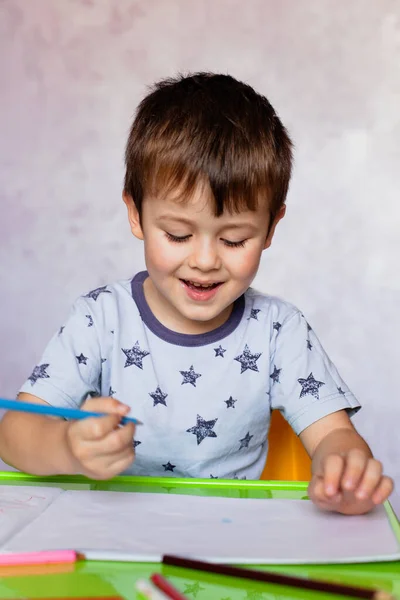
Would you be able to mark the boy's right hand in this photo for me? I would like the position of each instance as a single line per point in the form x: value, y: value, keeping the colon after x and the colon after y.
x: 99, y: 448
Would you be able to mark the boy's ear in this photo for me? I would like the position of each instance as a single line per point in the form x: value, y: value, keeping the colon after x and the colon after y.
x: 279, y: 216
x: 133, y: 216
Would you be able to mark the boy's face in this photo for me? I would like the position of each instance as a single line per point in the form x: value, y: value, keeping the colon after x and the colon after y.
x: 198, y: 264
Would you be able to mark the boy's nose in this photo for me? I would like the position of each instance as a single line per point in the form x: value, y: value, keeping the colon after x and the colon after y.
x: 205, y: 256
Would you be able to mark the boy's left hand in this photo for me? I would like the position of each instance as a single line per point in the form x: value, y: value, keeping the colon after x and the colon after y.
x: 351, y: 483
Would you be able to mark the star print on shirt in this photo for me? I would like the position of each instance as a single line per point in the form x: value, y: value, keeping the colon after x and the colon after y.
x: 136, y: 443
x: 253, y: 314
x: 61, y: 329
x: 94, y: 294
x: 248, y: 360
x: 39, y: 372
x: 230, y: 403
x: 134, y: 356
x: 193, y: 588
x: 309, y: 345
x: 275, y: 375
x: 169, y: 467
x: 103, y: 360
x: 277, y: 325
x: 158, y: 397
x: 219, y: 351
x: 341, y: 392
x: 90, y: 318
x: 111, y: 392
x: 310, y: 386
x: 190, y: 376
x: 203, y: 429
x: 213, y: 476
x: 244, y: 442
x: 309, y: 328
x: 82, y: 359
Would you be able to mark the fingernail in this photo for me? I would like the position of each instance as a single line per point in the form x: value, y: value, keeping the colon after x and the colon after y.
x: 348, y: 484
x: 361, y: 494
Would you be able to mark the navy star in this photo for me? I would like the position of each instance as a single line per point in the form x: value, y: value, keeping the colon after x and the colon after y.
x: 158, y: 397
x: 103, y: 360
x: 136, y: 443
x: 94, y: 294
x: 244, y: 442
x: 82, y: 359
x: 275, y: 375
x: 230, y: 403
x: 310, y: 386
x: 341, y: 391
x: 213, y: 476
x: 39, y: 372
x: 203, y: 429
x: 134, y: 356
x: 277, y: 325
x: 112, y: 330
x: 190, y: 376
x: 309, y: 345
x: 219, y: 351
x: 309, y: 328
x: 111, y: 391
x: 90, y: 318
x: 253, y: 314
x: 169, y: 467
x: 193, y: 588
x: 61, y: 329
x: 248, y: 360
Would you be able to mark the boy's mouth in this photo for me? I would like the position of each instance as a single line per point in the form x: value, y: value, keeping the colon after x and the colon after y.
x: 194, y: 285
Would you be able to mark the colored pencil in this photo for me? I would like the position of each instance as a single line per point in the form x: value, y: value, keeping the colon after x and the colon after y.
x: 275, y: 578
x: 47, y: 557
x: 148, y: 591
x: 165, y: 586
x: 57, y: 411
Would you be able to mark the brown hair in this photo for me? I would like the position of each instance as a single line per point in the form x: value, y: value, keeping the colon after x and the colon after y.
x: 208, y: 128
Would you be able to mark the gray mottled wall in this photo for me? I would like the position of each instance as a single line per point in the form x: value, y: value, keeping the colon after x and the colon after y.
x: 71, y: 74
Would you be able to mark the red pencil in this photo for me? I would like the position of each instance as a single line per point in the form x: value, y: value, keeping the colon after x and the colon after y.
x: 165, y: 586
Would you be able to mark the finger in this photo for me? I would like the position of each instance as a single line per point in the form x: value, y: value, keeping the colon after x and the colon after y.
x: 118, y: 440
x: 383, y: 491
x: 118, y: 463
x: 318, y: 495
x: 111, y: 465
x: 370, y: 480
x: 105, y: 405
x: 96, y: 428
x: 356, y: 463
x: 334, y: 466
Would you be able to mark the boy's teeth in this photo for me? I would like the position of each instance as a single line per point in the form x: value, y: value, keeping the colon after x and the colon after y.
x: 200, y: 285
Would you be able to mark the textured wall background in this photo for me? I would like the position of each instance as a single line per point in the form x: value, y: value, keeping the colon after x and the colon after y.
x: 71, y: 75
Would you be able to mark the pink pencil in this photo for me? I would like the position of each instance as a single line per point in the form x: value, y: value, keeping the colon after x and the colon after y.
x: 46, y: 557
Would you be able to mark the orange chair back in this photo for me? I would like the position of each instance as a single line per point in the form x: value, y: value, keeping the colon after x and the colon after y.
x: 287, y: 459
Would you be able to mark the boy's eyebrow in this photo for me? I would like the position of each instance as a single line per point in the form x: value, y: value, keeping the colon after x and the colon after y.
x: 178, y: 219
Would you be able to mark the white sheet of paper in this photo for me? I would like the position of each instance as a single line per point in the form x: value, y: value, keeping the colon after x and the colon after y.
x: 140, y: 526
x: 19, y: 505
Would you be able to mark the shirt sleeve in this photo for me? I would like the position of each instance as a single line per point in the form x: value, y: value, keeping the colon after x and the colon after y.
x: 70, y: 367
x: 304, y: 384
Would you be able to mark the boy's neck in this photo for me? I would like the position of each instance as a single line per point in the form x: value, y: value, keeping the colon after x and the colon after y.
x: 172, y: 319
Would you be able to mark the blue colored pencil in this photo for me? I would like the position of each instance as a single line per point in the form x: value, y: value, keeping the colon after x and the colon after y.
x: 56, y: 411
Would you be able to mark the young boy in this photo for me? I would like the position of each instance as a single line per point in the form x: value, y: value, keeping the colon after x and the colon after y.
x: 187, y: 346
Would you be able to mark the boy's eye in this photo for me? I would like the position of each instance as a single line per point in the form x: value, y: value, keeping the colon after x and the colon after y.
x: 177, y: 238
x: 235, y: 244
